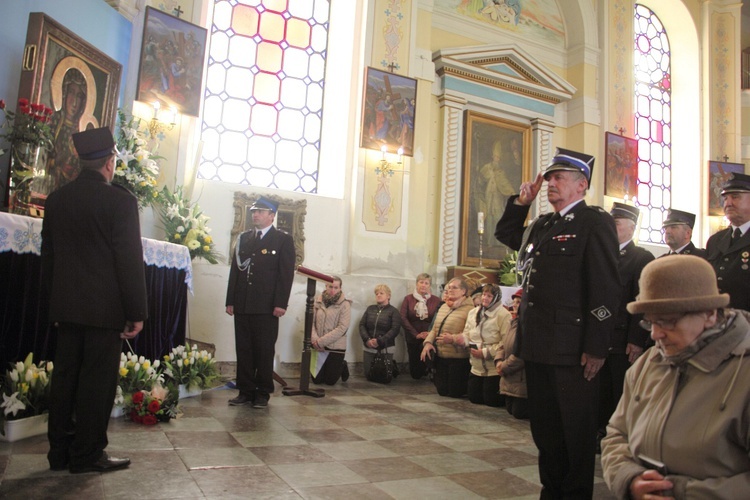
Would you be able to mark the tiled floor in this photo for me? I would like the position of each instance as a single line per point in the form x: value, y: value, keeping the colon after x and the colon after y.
x: 361, y: 440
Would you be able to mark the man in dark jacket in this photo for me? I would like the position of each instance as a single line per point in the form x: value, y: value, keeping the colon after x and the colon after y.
x: 628, y: 339
x: 678, y: 231
x: 571, y: 291
x: 92, y: 265
x: 729, y: 249
x: 260, y: 281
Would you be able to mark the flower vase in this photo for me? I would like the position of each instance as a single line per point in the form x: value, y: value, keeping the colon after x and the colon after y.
x: 29, y: 182
x: 189, y: 391
x: 117, y: 411
x: 15, y: 430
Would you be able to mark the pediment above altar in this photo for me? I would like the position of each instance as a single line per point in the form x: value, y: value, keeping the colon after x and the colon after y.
x: 490, y: 71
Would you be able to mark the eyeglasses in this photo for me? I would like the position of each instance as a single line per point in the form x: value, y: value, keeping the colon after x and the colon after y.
x: 663, y: 324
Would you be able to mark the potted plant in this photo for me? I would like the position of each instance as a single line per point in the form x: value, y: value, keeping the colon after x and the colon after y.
x: 25, y: 391
x: 191, y: 369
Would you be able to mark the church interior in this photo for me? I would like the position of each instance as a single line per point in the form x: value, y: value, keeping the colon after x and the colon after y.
x: 390, y: 126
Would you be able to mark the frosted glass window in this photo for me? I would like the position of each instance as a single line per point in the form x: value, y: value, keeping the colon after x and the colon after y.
x: 651, y: 59
x: 263, y: 106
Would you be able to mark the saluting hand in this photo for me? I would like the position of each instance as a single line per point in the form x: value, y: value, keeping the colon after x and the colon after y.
x: 529, y: 190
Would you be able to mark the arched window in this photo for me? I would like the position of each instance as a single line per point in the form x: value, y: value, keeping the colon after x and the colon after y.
x: 263, y: 105
x: 653, y: 121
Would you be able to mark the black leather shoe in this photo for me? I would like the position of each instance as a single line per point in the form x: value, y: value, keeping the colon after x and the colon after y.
x: 260, y: 403
x: 240, y: 400
x: 104, y: 464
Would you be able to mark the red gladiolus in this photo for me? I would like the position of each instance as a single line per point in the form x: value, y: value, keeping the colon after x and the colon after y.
x: 2, y: 103
x: 138, y: 397
x: 36, y: 107
x: 149, y: 420
x: 23, y: 102
x: 24, y: 110
x: 47, y: 111
x: 153, y: 406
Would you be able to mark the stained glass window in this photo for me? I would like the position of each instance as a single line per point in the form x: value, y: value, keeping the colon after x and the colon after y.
x: 653, y: 122
x: 263, y: 105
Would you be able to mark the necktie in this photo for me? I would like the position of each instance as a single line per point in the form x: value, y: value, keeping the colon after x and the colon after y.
x: 258, y: 234
x: 736, y: 235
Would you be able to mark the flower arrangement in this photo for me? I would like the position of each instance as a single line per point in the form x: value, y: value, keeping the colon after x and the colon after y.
x: 136, y: 168
x: 185, y: 224
x: 157, y: 405
x: 30, y: 124
x: 25, y: 389
x: 137, y: 374
x: 190, y: 367
x: 508, y: 274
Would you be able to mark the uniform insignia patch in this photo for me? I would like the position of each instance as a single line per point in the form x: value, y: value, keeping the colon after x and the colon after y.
x: 601, y: 313
x: 569, y: 217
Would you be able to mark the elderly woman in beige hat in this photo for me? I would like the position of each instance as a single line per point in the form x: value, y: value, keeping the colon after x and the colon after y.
x: 682, y: 428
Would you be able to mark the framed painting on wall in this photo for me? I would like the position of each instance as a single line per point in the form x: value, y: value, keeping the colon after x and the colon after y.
x: 388, y: 110
x: 497, y: 159
x: 71, y: 76
x: 171, y: 68
x: 620, y: 166
x: 718, y: 173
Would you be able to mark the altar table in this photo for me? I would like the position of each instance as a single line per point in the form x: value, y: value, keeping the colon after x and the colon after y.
x: 23, y: 311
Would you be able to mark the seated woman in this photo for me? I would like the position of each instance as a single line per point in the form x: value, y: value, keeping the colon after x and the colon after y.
x: 379, y: 327
x: 417, y: 313
x: 682, y: 427
x: 332, y: 314
x: 451, y: 361
x: 485, y: 327
x: 511, y: 368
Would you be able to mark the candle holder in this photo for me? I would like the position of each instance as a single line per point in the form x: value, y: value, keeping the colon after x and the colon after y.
x: 481, y: 238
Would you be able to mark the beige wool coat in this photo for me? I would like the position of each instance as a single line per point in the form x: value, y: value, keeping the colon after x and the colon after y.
x: 330, y: 324
x: 487, y: 335
x: 455, y: 320
x: 695, y: 418
x: 513, y: 380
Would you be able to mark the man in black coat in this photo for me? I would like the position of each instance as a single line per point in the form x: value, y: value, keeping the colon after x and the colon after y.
x: 260, y: 281
x: 628, y: 338
x: 678, y: 231
x: 729, y: 249
x: 571, y: 291
x: 92, y: 267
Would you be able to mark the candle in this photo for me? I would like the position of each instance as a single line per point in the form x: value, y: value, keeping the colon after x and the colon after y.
x: 480, y: 222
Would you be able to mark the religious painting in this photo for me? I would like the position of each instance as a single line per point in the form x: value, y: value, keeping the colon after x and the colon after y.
x: 171, y: 67
x: 290, y: 218
x: 718, y: 174
x: 538, y: 20
x: 388, y: 110
x: 620, y: 166
x: 497, y: 159
x: 76, y: 80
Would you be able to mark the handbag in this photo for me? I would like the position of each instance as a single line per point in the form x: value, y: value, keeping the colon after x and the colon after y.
x: 381, y: 368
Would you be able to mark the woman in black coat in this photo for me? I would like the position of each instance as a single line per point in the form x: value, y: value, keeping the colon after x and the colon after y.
x: 379, y: 327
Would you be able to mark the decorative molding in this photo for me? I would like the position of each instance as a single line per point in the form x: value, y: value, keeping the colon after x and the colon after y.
x: 128, y: 8
x: 450, y: 202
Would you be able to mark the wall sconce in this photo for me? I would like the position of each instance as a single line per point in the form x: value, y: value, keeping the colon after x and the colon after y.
x: 386, y: 167
x: 163, y: 120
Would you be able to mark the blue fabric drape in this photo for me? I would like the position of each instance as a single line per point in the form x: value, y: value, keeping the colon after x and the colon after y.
x: 24, y: 308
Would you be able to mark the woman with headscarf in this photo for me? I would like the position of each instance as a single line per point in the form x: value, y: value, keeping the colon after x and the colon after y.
x: 485, y: 327
x: 332, y: 313
x: 417, y: 313
x: 450, y: 361
x: 510, y: 367
x: 682, y: 427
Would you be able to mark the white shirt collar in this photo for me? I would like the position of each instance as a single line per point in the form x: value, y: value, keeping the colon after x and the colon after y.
x: 568, y: 208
